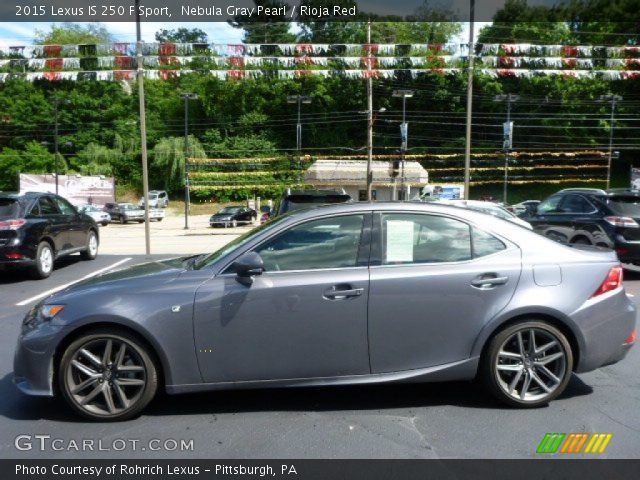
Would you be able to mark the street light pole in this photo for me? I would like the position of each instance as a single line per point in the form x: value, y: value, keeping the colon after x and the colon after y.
x: 467, y: 145
x: 299, y: 99
x: 612, y: 99
x: 187, y: 199
x: 404, y: 134
x: 143, y: 130
x: 507, y: 144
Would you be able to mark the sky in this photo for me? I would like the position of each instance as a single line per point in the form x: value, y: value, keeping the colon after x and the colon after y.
x: 21, y: 33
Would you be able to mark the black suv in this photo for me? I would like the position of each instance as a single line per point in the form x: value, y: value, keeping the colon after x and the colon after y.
x: 38, y: 228
x: 299, y: 199
x: 588, y: 216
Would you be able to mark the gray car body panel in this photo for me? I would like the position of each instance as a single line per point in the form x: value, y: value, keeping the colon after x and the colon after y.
x: 141, y: 299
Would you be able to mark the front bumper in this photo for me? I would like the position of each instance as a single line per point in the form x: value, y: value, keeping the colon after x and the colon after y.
x: 33, y: 360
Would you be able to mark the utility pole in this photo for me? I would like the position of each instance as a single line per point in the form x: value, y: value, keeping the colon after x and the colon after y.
x: 369, y: 118
x: 404, y: 134
x: 612, y: 99
x: 143, y: 131
x: 299, y: 99
x: 467, y: 145
x: 187, y: 199
x: 508, y: 138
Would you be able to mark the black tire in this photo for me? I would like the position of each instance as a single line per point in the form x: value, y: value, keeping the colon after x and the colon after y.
x: 159, y: 219
x: 140, y: 221
x: 123, y: 220
x: 497, y: 385
x: 234, y: 223
x: 43, y: 268
x: 94, y: 410
x: 91, y: 251
x: 104, y: 224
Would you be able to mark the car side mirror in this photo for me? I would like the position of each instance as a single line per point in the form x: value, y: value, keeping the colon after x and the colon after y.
x: 248, y: 266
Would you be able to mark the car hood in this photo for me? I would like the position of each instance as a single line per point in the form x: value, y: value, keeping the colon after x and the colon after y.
x: 152, y: 273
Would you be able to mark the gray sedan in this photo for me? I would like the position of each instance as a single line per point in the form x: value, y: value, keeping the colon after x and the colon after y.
x: 344, y: 294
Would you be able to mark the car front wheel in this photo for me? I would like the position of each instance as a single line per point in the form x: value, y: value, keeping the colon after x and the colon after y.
x: 107, y: 376
x: 527, y: 364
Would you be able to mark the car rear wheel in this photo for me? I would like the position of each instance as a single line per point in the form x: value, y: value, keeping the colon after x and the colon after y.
x: 123, y: 220
x: 527, y: 364
x: 44, y: 261
x: 107, y: 376
x: 91, y: 251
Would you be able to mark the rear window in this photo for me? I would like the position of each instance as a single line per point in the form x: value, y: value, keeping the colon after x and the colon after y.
x: 297, y: 202
x: 11, y: 208
x: 628, y: 206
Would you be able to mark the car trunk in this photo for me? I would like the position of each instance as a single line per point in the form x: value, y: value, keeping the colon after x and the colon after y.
x: 10, y: 210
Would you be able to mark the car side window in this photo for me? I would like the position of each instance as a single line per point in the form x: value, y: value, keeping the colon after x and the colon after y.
x: 419, y: 238
x: 485, y: 244
x: 576, y: 204
x: 318, y: 244
x: 550, y: 205
x: 47, y: 207
x: 65, y: 207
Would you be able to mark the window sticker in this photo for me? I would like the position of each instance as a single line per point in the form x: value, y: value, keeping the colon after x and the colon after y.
x: 400, y: 241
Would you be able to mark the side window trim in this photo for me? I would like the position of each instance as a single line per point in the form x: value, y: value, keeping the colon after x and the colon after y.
x: 363, y: 248
x: 566, y: 197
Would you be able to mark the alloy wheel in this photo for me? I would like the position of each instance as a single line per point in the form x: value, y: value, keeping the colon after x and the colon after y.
x: 46, y: 259
x: 531, y: 364
x: 106, y: 376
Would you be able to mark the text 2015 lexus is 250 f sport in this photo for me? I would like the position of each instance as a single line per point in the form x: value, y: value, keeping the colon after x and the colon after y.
x: 343, y: 294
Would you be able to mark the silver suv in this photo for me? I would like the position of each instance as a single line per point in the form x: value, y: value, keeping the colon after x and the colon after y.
x: 157, y: 199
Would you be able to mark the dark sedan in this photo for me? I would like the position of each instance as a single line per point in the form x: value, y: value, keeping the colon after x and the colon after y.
x: 233, y: 216
x: 38, y: 228
x: 345, y: 294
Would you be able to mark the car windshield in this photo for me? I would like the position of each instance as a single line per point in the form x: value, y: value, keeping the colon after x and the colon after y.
x: 628, y: 205
x: 241, y: 240
x: 229, y: 210
x: 298, y: 202
x: 11, y: 208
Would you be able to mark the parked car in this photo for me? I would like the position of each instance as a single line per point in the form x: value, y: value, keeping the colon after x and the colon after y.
x: 299, y: 199
x: 488, y: 208
x: 38, y: 228
x: 233, y: 216
x: 124, y: 212
x: 591, y: 216
x: 343, y: 294
x: 97, y: 213
x: 157, y: 199
x: 526, y: 208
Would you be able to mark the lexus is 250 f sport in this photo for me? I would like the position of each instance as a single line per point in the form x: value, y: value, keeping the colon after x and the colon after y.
x: 352, y: 293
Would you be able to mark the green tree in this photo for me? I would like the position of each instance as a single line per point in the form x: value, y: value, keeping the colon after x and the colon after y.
x: 73, y: 33
x: 168, y: 155
x: 182, y: 35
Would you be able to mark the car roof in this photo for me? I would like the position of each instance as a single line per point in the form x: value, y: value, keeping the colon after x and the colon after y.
x: 316, y: 193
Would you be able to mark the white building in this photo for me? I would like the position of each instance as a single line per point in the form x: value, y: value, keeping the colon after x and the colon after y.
x: 351, y: 175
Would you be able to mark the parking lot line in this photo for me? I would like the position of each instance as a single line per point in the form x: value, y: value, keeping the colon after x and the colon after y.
x: 61, y: 287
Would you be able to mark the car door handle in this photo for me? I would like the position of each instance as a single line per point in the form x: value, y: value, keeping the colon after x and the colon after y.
x: 337, y: 293
x: 488, y: 281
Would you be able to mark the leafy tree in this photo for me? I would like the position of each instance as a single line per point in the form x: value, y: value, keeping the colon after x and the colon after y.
x: 264, y: 28
x: 182, y: 35
x: 73, y: 33
x: 168, y: 155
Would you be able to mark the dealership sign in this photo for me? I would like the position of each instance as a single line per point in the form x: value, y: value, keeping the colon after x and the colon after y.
x: 77, y: 189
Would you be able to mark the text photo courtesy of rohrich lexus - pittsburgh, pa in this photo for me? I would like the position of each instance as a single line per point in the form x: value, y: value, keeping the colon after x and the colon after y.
x: 319, y: 239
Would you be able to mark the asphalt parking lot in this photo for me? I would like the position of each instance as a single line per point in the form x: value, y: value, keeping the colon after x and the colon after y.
x: 393, y: 421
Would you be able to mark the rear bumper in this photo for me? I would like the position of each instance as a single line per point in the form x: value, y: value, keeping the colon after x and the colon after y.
x: 628, y: 252
x: 27, y: 256
x: 606, y: 325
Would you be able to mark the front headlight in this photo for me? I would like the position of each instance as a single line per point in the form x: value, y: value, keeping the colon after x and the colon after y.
x: 47, y: 312
x: 40, y: 313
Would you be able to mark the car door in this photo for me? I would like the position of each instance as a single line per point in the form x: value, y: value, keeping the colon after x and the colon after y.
x: 584, y: 220
x: 551, y: 221
x: 57, y: 226
x: 435, y: 282
x: 304, y: 317
x: 76, y: 228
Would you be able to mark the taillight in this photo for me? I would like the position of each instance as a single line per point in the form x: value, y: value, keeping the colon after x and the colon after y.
x: 631, y: 339
x: 627, y: 222
x: 613, y: 281
x: 14, y: 256
x: 12, y: 224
